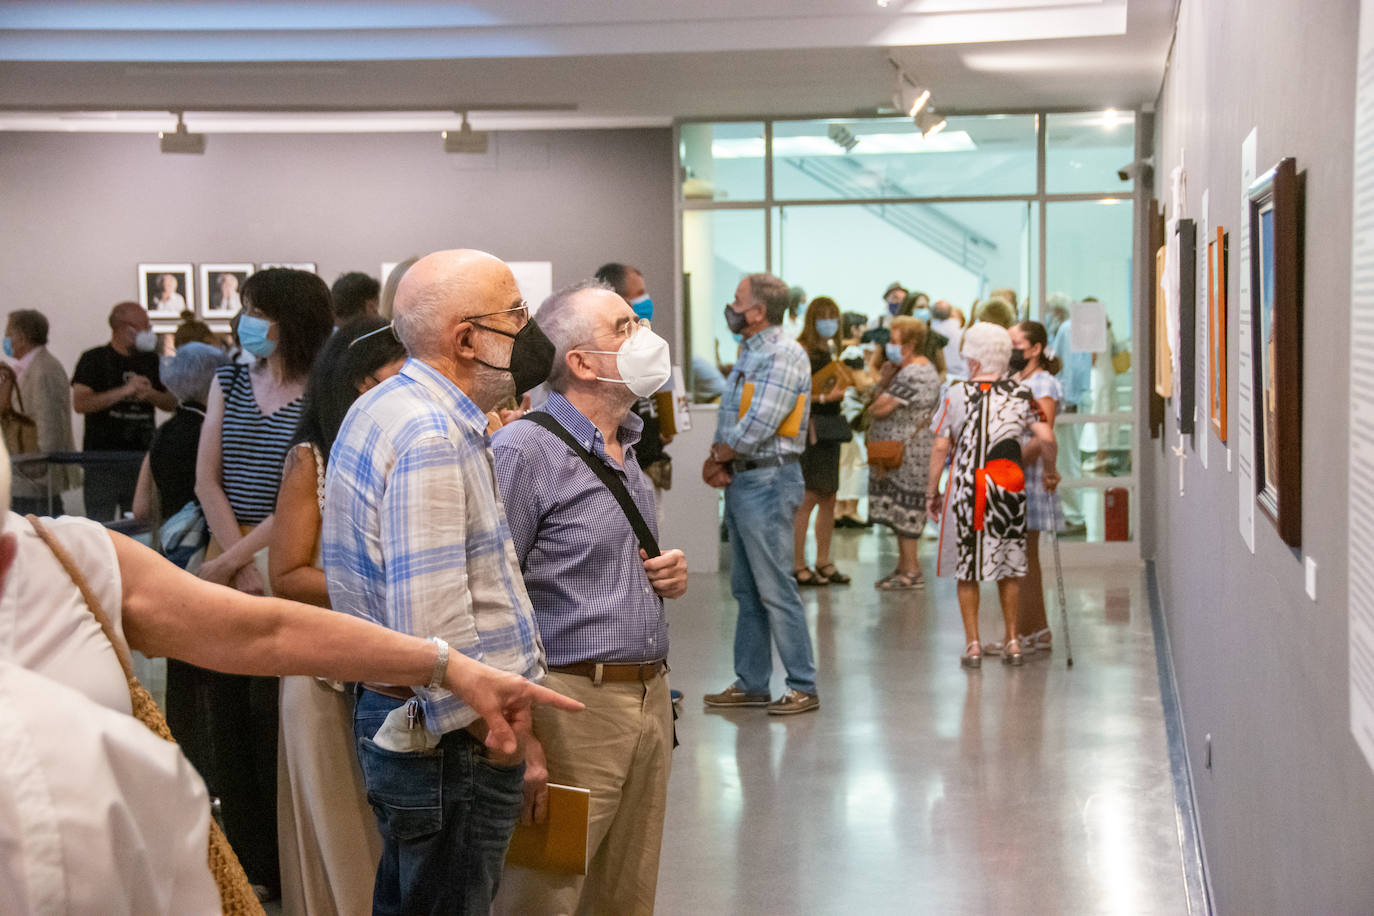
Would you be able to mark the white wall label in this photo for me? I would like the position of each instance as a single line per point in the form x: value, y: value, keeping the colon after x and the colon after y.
x: 1245, y: 432
x: 1360, y: 535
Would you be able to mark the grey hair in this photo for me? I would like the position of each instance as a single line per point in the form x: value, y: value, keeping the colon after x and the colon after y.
x: 773, y: 294
x: 989, y: 345
x: 568, y: 327
x: 188, y: 374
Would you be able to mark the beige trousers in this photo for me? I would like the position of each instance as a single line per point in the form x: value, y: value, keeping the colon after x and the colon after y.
x: 620, y: 747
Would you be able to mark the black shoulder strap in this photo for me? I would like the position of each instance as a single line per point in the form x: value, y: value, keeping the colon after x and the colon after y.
x: 607, y: 477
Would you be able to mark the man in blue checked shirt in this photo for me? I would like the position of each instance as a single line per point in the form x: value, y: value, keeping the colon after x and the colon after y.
x: 760, y: 434
x: 415, y: 539
x: 598, y: 599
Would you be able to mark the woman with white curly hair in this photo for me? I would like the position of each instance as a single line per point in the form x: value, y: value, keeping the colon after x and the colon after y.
x: 984, y: 419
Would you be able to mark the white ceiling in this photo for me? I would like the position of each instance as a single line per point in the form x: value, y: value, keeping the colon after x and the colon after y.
x: 604, y: 63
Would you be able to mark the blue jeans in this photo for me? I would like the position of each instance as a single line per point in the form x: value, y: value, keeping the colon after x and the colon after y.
x: 759, y: 508
x: 445, y: 814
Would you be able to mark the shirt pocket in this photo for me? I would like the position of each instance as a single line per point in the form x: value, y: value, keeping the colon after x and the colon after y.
x: 404, y: 789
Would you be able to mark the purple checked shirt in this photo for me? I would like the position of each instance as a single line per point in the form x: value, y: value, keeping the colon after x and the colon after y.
x: 579, y: 555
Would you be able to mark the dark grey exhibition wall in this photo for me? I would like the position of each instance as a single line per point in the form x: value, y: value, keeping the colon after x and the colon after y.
x: 78, y: 212
x: 1287, y: 809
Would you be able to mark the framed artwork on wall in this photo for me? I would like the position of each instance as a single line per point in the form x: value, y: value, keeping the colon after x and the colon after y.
x: 1216, y: 331
x: 1276, y: 217
x: 219, y: 289
x: 307, y: 266
x: 165, y: 289
x: 1164, y: 372
x: 1187, y: 325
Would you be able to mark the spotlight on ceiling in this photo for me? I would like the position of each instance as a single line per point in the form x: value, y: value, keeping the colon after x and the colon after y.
x: 908, y: 96
x: 465, y: 139
x: 929, y: 124
x: 841, y: 137
x: 181, y: 140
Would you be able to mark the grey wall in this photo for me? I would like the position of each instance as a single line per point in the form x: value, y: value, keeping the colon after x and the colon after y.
x: 78, y: 212
x: 1287, y: 809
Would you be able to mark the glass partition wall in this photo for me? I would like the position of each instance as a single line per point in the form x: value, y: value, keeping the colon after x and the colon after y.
x: 843, y: 207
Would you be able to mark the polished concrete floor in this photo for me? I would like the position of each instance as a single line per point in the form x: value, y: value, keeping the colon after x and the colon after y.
x: 919, y: 787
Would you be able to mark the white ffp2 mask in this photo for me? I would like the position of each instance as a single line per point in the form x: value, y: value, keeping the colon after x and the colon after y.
x: 644, y: 362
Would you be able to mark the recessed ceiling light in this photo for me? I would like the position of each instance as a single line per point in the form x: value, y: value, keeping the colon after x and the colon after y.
x: 1110, y: 118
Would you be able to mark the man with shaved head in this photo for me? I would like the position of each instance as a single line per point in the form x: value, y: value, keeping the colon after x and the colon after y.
x: 415, y: 539
x: 116, y: 387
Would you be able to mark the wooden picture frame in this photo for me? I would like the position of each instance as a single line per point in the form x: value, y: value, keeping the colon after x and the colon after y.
x: 1216, y: 331
x: 1156, y: 403
x: 1187, y: 325
x: 1276, y: 217
x: 1164, y: 372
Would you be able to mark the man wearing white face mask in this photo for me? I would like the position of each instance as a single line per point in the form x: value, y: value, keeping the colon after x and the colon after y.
x: 597, y: 593
x: 117, y: 386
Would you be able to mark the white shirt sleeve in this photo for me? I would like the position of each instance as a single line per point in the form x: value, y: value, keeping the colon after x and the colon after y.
x: 97, y: 814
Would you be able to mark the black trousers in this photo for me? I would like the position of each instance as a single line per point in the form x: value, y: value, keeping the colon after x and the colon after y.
x: 227, y: 726
x: 108, y: 491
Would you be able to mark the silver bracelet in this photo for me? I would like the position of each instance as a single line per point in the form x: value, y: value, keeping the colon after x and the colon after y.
x: 436, y: 677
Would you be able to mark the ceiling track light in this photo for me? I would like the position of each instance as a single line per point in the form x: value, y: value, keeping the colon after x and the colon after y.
x: 465, y: 139
x: 909, y: 96
x: 181, y: 140
x: 929, y: 123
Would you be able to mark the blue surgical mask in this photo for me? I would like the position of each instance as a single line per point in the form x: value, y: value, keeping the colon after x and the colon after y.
x: 921, y: 314
x: 893, y: 307
x: 644, y: 307
x: 894, y: 352
x: 828, y: 327
x: 253, y: 336
x: 8, y: 347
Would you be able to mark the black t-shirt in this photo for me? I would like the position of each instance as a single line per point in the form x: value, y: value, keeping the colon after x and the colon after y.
x: 650, y: 447
x: 172, y: 457
x: 128, y: 425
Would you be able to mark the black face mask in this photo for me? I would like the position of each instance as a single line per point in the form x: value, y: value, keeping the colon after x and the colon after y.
x: 531, y: 356
x: 735, y: 320
x: 1018, y: 360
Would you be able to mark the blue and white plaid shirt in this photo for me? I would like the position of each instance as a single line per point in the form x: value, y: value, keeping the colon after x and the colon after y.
x: 779, y: 370
x: 415, y: 536
x: 579, y: 554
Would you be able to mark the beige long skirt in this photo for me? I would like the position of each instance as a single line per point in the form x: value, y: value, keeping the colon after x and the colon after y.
x: 326, y: 831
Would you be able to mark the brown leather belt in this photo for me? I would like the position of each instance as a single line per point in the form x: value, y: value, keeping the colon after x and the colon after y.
x: 396, y: 693
x: 608, y: 671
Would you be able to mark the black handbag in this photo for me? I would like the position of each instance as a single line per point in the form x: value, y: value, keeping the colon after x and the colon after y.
x: 830, y: 427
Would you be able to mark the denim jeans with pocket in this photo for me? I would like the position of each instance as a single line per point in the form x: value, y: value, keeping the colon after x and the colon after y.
x: 445, y: 815
x: 759, y: 508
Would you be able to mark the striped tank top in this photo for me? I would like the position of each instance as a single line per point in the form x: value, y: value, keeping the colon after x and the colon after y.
x: 252, y: 446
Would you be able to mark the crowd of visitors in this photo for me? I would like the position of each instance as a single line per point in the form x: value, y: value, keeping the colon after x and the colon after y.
x: 384, y: 511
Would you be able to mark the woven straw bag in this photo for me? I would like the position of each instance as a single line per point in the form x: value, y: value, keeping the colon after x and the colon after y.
x: 236, y: 895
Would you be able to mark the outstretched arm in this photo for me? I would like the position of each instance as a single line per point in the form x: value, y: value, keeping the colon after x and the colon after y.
x: 169, y: 612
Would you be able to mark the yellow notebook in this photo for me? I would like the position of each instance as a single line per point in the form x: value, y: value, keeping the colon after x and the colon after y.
x: 560, y: 843
x: 790, y: 427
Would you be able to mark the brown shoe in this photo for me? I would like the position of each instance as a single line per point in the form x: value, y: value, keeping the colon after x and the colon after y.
x: 793, y: 702
x: 734, y: 696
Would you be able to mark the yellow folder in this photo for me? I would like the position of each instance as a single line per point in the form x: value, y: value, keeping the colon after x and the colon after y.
x: 790, y: 427
x: 560, y: 843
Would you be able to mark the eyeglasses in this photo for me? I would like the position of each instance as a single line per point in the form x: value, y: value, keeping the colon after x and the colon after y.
x: 522, y: 307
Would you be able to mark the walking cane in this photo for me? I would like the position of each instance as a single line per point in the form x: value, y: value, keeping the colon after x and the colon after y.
x: 1063, y: 602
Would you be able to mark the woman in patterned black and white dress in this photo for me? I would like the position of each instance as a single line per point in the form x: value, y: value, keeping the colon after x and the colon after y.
x: 984, y: 516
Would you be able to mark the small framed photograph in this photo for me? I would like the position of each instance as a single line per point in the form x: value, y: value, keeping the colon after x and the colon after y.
x: 1216, y: 331
x: 1187, y: 325
x: 1164, y: 358
x: 165, y: 289
x: 219, y: 289
x: 307, y: 266
x: 1276, y: 217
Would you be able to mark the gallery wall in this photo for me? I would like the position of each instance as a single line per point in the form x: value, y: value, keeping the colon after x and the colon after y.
x: 80, y: 211
x: 1287, y: 806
